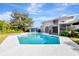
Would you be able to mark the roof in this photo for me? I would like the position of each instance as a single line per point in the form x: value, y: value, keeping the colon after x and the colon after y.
x: 74, y: 21
x: 61, y: 18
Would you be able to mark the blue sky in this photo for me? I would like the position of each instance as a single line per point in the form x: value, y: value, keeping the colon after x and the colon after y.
x: 39, y: 12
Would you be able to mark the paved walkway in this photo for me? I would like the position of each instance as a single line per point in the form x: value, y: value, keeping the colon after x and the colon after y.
x: 11, y: 47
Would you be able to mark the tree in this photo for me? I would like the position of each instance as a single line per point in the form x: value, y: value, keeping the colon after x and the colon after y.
x: 4, y: 25
x: 20, y: 21
x: 1, y: 24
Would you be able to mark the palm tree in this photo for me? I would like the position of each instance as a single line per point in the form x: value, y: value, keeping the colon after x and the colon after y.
x: 73, y: 32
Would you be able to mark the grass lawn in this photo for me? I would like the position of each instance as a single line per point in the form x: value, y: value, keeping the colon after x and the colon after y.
x: 75, y: 40
x: 2, y: 37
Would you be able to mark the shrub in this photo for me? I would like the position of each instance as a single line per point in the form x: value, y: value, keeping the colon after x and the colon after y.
x: 12, y: 31
x: 65, y: 33
x: 77, y: 30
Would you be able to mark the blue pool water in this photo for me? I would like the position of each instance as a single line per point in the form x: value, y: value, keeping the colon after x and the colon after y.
x: 38, y: 38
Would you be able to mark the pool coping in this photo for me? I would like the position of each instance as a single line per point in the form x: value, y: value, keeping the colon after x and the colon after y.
x: 11, y: 46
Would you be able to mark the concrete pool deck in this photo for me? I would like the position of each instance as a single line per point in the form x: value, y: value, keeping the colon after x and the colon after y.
x: 11, y: 47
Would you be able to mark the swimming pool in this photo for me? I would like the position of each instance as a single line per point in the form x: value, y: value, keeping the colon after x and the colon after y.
x: 38, y: 38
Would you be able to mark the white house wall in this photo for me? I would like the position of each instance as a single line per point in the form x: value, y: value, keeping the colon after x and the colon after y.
x: 47, y: 24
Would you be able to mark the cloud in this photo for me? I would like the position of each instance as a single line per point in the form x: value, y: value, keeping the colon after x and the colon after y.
x: 60, y: 7
x: 38, y: 21
x: 34, y: 8
x: 42, y: 18
x: 6, y: 16
x: 68, y: 4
